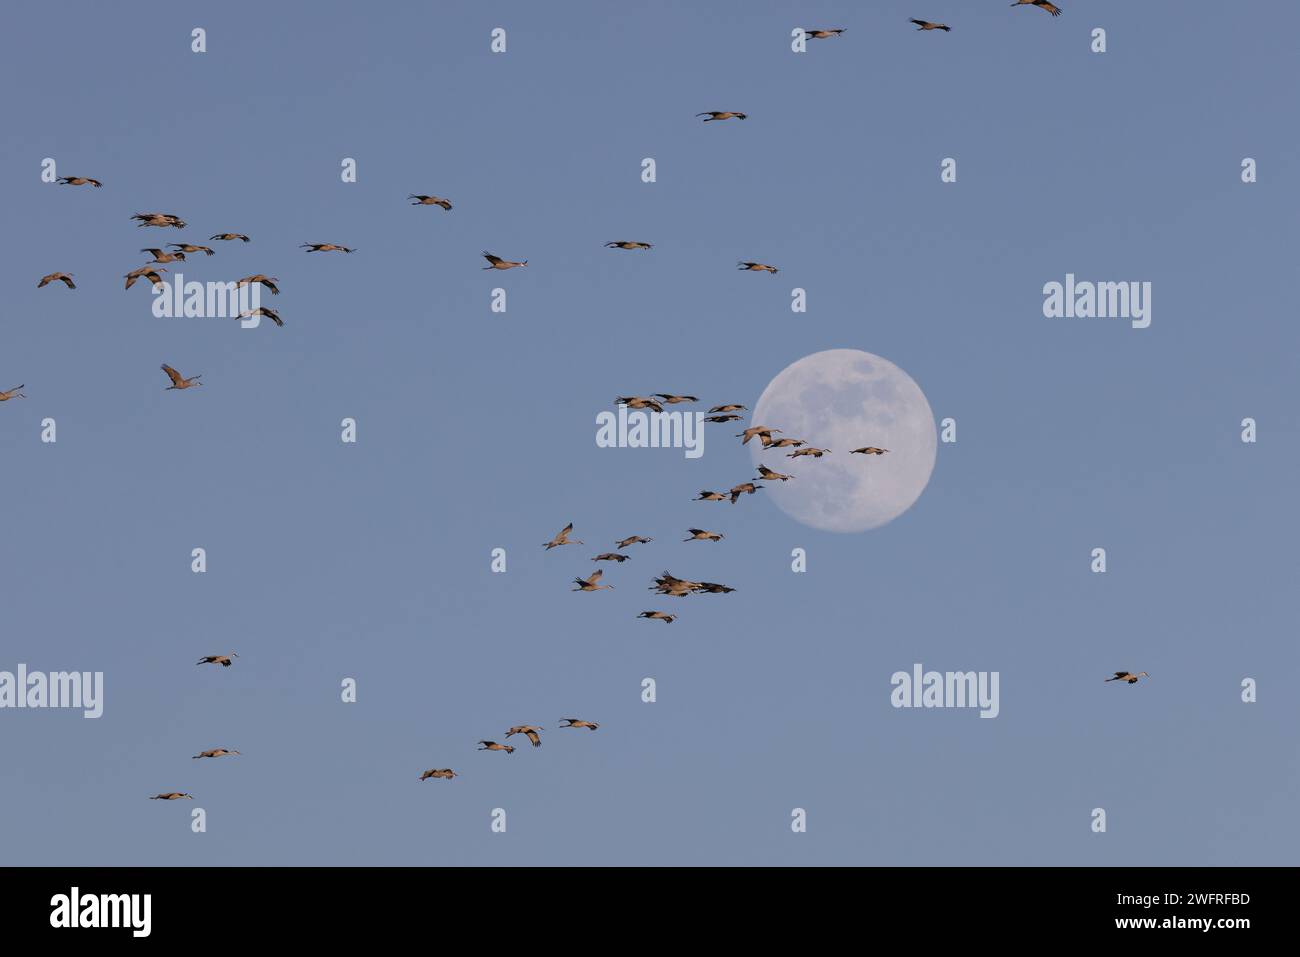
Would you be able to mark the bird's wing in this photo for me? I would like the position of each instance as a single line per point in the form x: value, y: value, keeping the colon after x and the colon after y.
x: 172, y: 374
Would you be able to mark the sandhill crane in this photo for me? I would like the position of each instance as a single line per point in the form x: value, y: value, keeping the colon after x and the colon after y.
x: 753, y: 430
x: 610, y: 557
x: 663, y: 616
x: 447, y: 773
x: 223, y: 660
x: 674, y: 399
x: 214, y: 753
x: 633, y: 540
x: 815, y: 453
x: 723, y: 418
x: 625, y: 244
x: 713, y: 588
x: 12, y: 394
x: 702, y: 535
x: 63, y: 277
x: 268, y: 281
x: 153, y: 275
x: 638, y: 402
x: 562, y: 538
x: 771, y: 443
x: 191, y: 248
x: 179, y: 382
x: 172, y: 796
x: 742, y: 489
x: 577, y: 723
x: 822, y: 34
x: 263, y: 311
x: 159, y: 256
x: 430, y: 201
x: 766, y: 474
x: 529, y: 731
x: 326, y: 248
x: 869, y: 450
x: 493, y: 746
x: 1047, y: 5
x: 159, y: 219
x: 733, y: 407
x: 747, y: 266
x: 224, y: 237
x: 667, y: 584
x: 927, y: 25
x: 722, y: 115
x: 1129, y: 676
x: 496, y: 262
x: 79, y: 181
x: 707, y: 496
x: 589, y: 583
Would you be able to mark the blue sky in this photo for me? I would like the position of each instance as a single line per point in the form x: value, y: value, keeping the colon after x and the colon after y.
x: 476, y: 430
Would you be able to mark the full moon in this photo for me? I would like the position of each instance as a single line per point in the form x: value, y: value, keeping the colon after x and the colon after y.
x: 841, y: 400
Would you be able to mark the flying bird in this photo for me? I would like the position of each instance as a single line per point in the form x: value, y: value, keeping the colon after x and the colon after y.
x: 589, y: 583
x: 529, y: 731
x: 159, y: 219
x: 757, y: 267
x: 1047, y: 5
x: 707, y: 496
x: 771, y: 443
x: 638, y: 402
x: 153, y: 275
x: 229, y: 236
x: 759, y: 430
x: 722, y: 115
x: 268, y: 281
x: 13, y: 393
x: 576, y: 723
x: 326, y: 248
x: 223, y: 660
x: 179, y: 382
x: 159, y: 256
x: 668, y: 584
x: 562, y: 538
x: 663, y: 616
x: 63, y: 277
x: 729, y: 408
x: 815, y: 453
x: 610, y: 557
x: 79, y: 181
x: 744, y: 488
x: 172, y: 796
x: 722, y: 418
x: 674, y: 399
x: 629, y: 245
x: 447, y: 773
x: 430, y: 201
x: 702, y: 535
x: 1129, y: 676
x: 496, y: 262
x: 493, y: 746
x: 766, y: 474
x: 713, y: 588
x: 869, y: 450
x: 822, y: 34
x: 633, y: 540
x: 263, y: 311
x: 215, y: 753
x: 191, y: 248
x: 927, y: 25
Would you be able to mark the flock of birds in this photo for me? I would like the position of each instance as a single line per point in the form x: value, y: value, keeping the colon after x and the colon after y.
x: 668, y: 584
x: 665, y: 584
